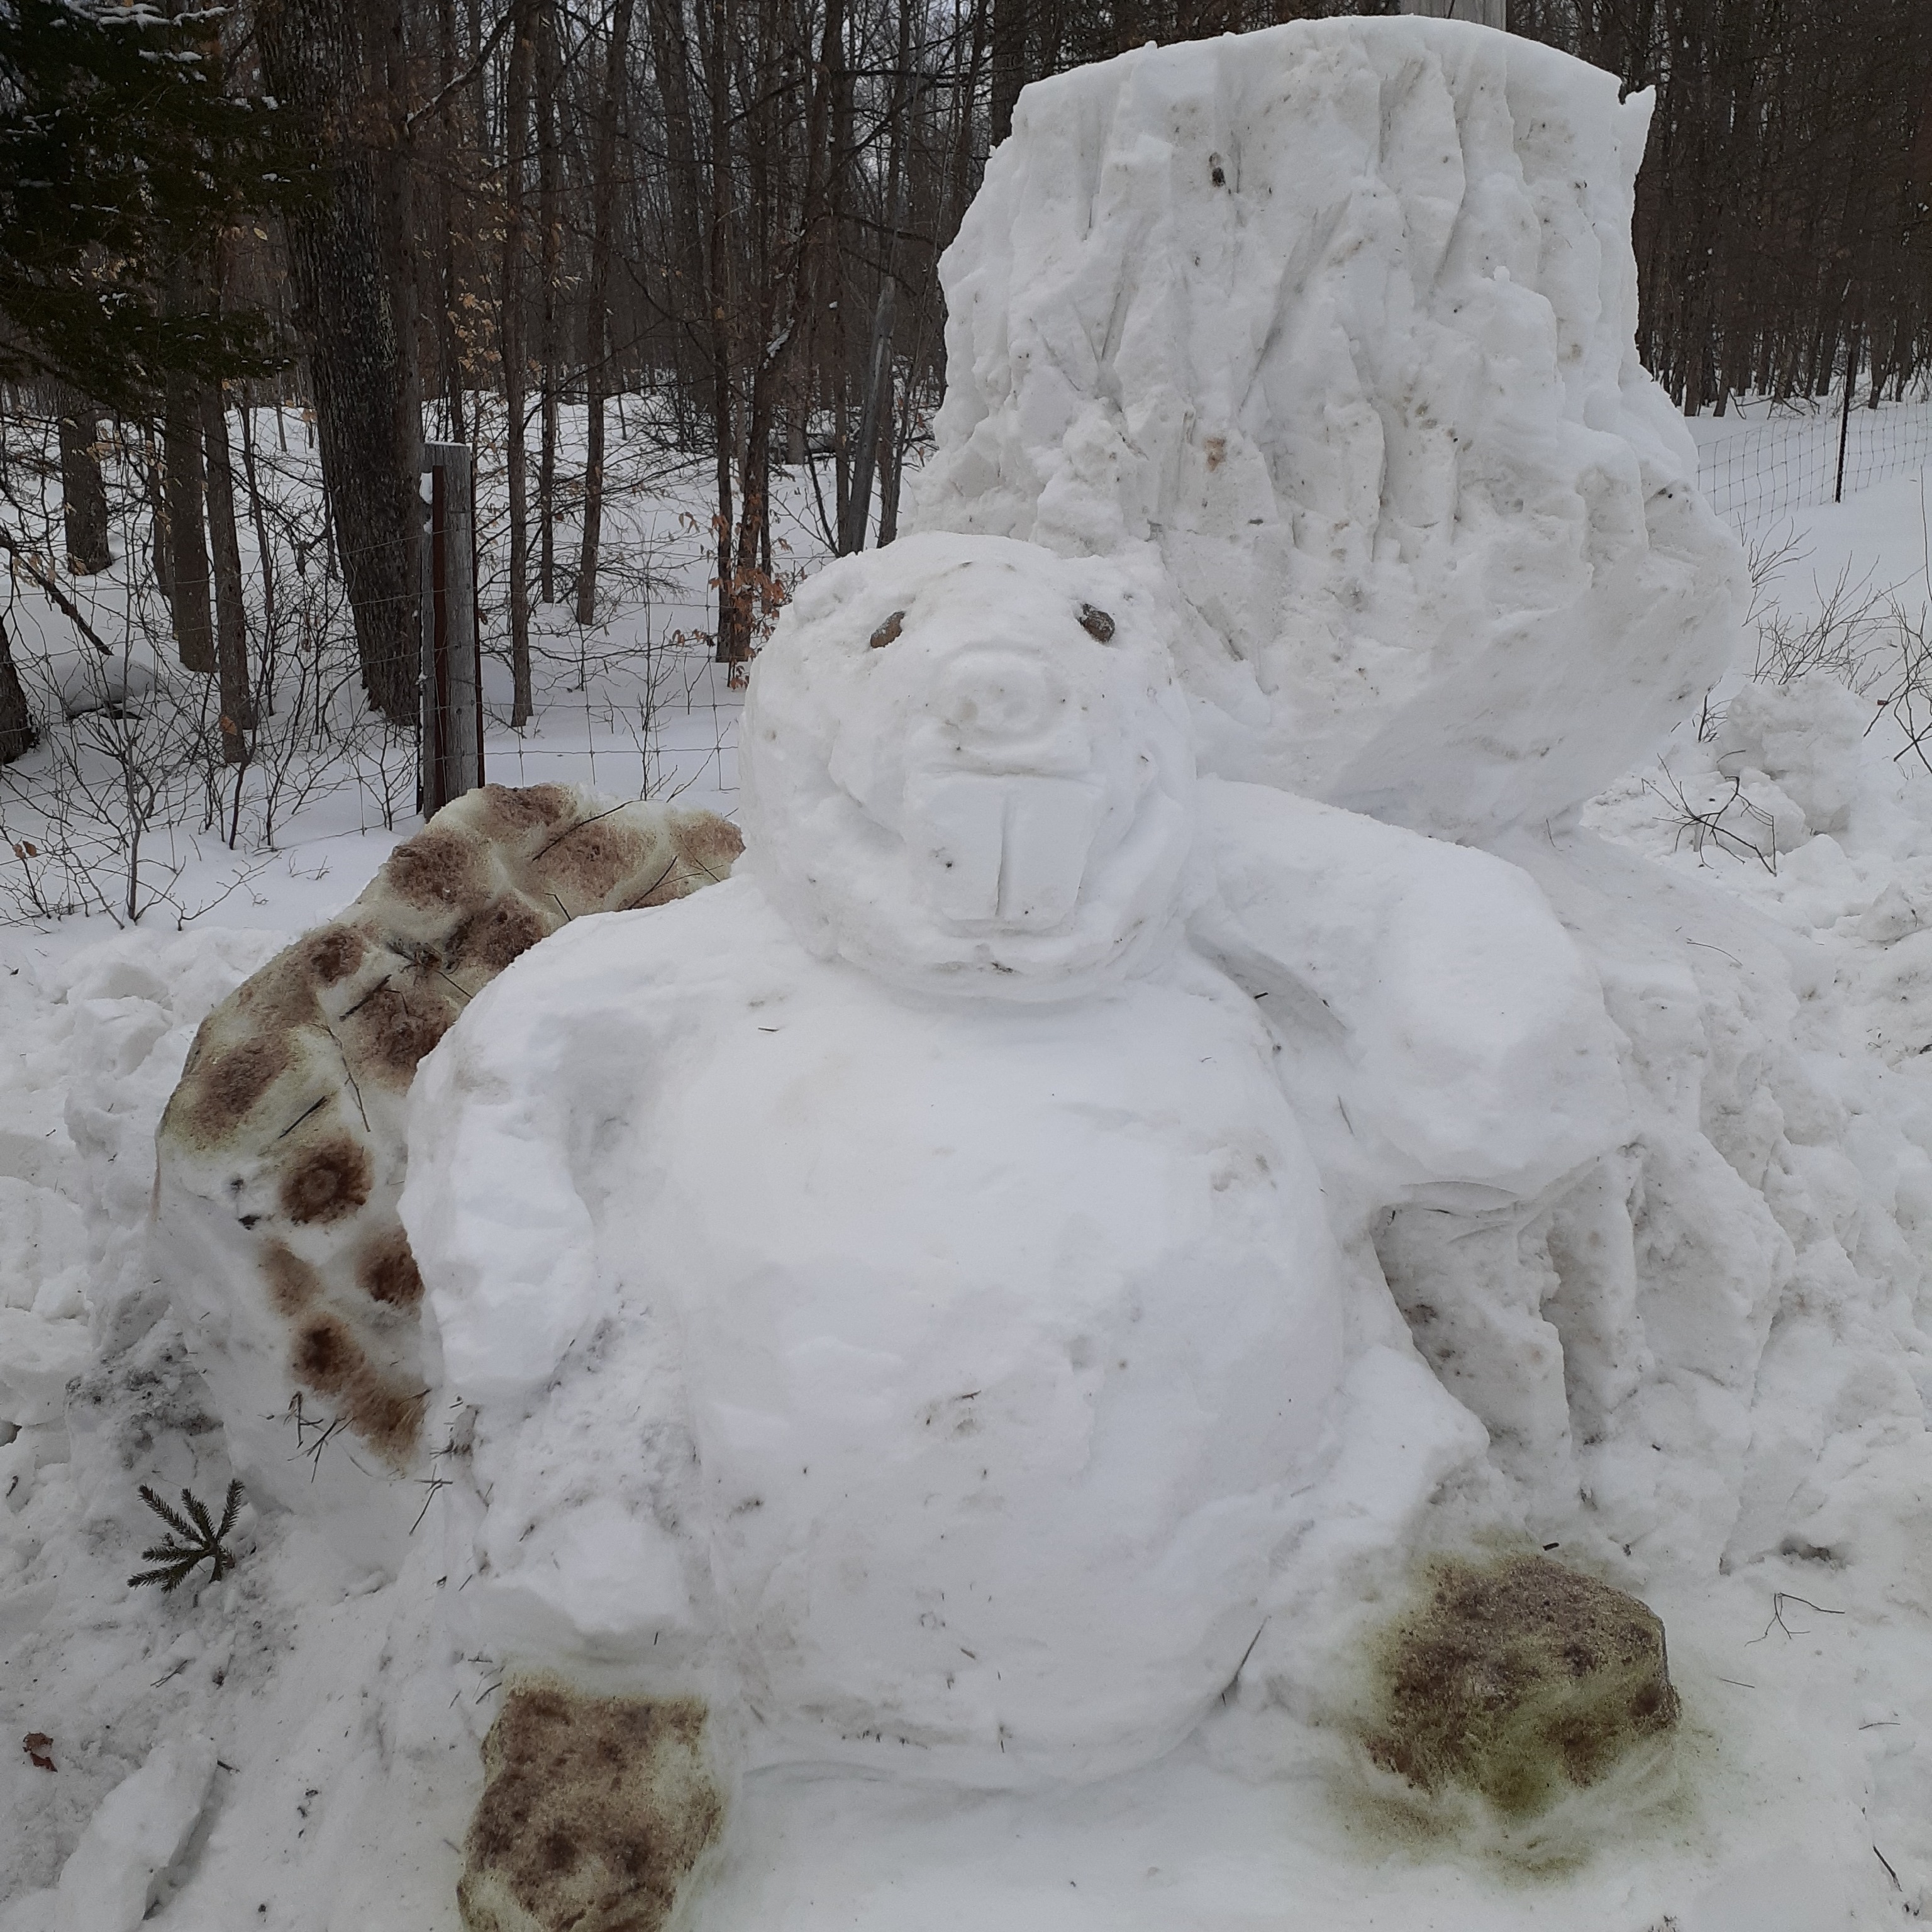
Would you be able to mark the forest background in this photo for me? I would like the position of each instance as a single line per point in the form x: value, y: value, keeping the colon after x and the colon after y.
x: 721, y: 219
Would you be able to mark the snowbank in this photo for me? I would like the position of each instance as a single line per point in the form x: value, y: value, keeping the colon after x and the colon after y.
x: 1337, y: 322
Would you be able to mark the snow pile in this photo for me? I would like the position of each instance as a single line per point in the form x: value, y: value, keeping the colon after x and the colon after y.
x: 289, y: 1747
x: 1333, y: 323
x: 970, y: 1354
x: 108, y: 1883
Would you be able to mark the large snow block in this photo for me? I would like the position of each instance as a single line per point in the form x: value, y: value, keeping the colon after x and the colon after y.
x: 281, y: 1154
x: 1332, y: 325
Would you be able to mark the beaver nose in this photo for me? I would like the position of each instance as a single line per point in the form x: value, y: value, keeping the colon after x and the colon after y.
x: 1002, y: 708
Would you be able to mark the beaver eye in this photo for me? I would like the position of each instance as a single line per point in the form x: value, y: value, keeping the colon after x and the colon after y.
x: 1096, y: 623
x: 889, y: 629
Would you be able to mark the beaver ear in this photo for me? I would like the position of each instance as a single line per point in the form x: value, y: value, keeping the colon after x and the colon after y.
x: 889, y: 629
x: 1096, y: 623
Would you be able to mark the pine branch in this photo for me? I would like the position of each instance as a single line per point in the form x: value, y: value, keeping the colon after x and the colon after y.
x: 200, y: 1541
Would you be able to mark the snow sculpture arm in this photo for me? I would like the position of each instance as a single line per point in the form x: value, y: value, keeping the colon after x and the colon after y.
x: 1428, y: 987
x: 521, y: 1126
x: 506, y: 1123
x: 489, y: 1194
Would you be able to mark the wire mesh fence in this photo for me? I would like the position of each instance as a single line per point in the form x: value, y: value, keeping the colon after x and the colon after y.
x: 1790, y: 460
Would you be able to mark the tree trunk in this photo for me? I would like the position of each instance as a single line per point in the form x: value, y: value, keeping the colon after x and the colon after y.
x: 784, y: 303
x: 840, y: 161
x: 187, y: 548
x: 356, y: 322
x: 231, y: 630
x: 730, y: 648
x: 682, y: 178
x: 17, y: 734
x: 549, y: 219
x: 510, y: 338
x: 596, y: 315
x: 264, y: 554
x: 160, y: 549
x: 1010, y: 37
x: 83, y: 494
x: 876, y: 414
x: 449, y: 291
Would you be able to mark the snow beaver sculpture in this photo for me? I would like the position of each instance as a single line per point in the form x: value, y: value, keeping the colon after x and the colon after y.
x: 894, y: 1293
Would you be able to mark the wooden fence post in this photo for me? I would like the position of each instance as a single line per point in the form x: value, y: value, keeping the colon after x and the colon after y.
x: 452, y: 667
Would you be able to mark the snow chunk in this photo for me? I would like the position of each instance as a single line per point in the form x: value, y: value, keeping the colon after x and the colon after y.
x: 965, y: 1355
x: 139, y: 1831
x: 1335, y: 323
x: 37, y: 1360
x: 1462, y: 1027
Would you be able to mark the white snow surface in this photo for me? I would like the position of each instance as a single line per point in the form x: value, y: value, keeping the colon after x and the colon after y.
x: 1334, y: 323
x: 1768, y: 1060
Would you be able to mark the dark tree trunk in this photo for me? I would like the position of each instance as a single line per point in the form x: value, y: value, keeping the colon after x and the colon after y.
x: 1010, y: 75
x: 356, y: 322
x: 516, y: 142
x: 17, y: 734
x: 231, y: 633
x: 597, y: 311
x: 840, y: 161
x: 83, y: 494
x: 682, y: 179
x: 784, y: 300
x: 449, y: 291
x: 160, y: 549
x: 550, y: 169
x: 187, y: 548
x: 875, y: 415
x: 731, y: 648
x: 264, y: 554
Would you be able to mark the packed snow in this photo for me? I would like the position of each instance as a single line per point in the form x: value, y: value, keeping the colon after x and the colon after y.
x: 1336, y: 321
x: 1067, y: 1170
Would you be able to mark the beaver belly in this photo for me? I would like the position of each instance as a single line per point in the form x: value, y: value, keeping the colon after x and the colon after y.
x: 1008, y: 1334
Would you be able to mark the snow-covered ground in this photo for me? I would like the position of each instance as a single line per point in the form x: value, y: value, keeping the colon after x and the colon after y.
x: 344, y: 1747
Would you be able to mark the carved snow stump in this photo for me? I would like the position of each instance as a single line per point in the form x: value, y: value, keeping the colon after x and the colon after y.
x: 281, y: 1153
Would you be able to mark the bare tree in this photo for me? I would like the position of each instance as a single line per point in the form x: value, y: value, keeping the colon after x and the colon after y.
x: 340, y: 67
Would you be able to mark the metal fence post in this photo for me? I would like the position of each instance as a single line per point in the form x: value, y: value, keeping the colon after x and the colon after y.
x: 1845, y: 420
x: 452, y: 667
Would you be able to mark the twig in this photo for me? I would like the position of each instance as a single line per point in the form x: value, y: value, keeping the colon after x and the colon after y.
x: 1779, y: 1598
x: 70, y: 610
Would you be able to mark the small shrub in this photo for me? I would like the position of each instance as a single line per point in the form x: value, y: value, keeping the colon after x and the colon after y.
x: 195, y: 1540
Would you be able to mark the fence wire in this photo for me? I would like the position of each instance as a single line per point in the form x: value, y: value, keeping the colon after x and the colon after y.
x: 1789, y: 460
